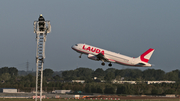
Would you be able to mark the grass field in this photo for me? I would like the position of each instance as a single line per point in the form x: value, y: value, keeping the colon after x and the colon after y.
x: 19, y: 99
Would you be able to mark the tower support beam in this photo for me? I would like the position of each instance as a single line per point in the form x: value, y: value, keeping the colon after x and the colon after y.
x: 41, y: 28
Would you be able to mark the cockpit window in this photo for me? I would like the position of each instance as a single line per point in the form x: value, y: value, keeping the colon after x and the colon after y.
x: 76, y: 44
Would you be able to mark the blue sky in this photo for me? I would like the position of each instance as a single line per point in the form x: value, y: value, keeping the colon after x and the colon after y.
x: 129, y: 27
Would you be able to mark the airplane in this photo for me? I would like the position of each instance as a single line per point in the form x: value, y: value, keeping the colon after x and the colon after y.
x: 97, y: 54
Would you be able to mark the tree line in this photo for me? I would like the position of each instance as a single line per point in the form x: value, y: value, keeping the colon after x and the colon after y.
x: 10, y: 79
x: 125, y: 74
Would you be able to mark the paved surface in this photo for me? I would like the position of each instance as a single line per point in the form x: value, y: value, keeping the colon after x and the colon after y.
x: 33, y: 94
x: 95, y: 96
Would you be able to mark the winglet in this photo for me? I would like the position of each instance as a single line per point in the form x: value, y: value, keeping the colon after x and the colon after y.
x: 146, y: 55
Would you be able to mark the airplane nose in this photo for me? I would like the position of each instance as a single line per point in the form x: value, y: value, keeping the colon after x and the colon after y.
x: 72, y: 46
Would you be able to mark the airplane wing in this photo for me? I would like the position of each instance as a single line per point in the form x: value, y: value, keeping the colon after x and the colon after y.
x: 100, y: 56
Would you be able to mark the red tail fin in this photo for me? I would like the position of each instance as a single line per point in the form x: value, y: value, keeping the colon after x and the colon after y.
x: 147, y: 55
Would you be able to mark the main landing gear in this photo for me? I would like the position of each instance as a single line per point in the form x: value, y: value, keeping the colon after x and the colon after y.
x: 110, y: 64
x: 104, y: 64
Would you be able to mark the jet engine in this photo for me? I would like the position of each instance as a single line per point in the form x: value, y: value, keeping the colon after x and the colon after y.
x: 92, y: 57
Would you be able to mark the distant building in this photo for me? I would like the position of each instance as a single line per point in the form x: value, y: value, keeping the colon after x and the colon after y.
x: 148, y: 82
x: 8, y: 90
x: 122, y: 82
x: 78, y: 81
x: 103, y: 81
x: 170, y: 95
x: 152, y: 82
x: 66, y: 81
x: 61, y: 91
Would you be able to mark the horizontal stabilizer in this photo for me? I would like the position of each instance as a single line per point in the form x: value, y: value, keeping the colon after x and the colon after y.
x: 141, y: 64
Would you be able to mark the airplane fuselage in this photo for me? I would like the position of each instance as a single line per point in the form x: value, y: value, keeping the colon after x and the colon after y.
x: 108, y: 56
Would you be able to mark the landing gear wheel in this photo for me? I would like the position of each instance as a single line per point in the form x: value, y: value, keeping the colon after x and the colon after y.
x: 80, y: 56
x: 109, y: 64
x: 103, y: 64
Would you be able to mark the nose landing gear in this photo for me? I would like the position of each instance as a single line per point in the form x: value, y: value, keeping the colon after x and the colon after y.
x: 80, y: 56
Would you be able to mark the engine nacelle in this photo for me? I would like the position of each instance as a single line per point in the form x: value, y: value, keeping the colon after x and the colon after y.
x: 92, y: 57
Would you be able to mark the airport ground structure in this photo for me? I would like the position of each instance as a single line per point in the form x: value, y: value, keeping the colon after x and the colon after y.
x: 8, y: 90
x: 136, y: 82
x: 96, y: 97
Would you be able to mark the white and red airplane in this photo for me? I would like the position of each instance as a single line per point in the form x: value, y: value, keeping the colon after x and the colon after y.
x: 97, y: 54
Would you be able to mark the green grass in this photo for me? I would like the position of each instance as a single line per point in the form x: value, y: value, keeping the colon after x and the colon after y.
x: 19, y: 99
